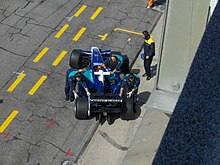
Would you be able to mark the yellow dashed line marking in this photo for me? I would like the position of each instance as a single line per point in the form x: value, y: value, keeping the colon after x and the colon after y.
x: 8, y: 121
x: 41, y: 54
x: 80, y: 11
x: 96, y: 13
x: 37, y: 85
x: 62, y: 31
x: 16, y: 82
x: 127, y: 31
x: 59, y: 58
x: 79, y: 34
x: 103, y: 37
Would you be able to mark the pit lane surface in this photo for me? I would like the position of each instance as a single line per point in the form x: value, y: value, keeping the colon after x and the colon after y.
x: 37, y: 126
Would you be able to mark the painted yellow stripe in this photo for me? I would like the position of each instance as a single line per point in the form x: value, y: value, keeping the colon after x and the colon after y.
x: 79, y: 34
x: 96, y: 13
x: 59, y: 58
x: 8, y: 121
x: 104, y: 37
x: 62, y: 31
x: 41, y: 54
x: 16, y: 82
x: 80, y: 11
x: 127, y: 31
x: 37, y: 85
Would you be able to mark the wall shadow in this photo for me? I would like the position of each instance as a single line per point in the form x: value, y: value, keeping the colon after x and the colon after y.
x: 153, y: 70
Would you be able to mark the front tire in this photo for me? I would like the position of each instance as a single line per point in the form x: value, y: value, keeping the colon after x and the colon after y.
x: 75, y: 59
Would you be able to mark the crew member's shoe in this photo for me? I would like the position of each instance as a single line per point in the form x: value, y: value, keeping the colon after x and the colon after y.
x: 71, y: 99
x: 147, y: 7
x: 144, y: 75
x: 148, y: 78
x: 67, y: 98
x: 134, y: 110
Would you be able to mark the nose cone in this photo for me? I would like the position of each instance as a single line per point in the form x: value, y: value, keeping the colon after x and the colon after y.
x: 95, y: 50
x: 96, y: 57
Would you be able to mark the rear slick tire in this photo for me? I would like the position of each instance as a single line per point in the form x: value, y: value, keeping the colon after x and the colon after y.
x: 81, y: 108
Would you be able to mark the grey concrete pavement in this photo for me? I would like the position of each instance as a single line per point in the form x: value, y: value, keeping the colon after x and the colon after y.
x: 45, y: 130
x: 130, y: 142
x: 150, y: 131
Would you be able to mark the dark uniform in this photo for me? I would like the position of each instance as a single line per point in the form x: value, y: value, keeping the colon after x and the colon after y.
x: 72, y: 84
x: 114, y: 65
x: 149, y: 50
x: 128, y: 85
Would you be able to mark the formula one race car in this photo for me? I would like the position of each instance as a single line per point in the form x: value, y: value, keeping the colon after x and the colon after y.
x: 104, y: 87
x: 80, y: 59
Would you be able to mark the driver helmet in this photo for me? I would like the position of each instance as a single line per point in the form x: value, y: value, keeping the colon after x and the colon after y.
x: 114, y: 55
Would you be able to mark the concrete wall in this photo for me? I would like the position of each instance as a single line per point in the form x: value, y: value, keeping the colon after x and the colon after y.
x: 184, y: 25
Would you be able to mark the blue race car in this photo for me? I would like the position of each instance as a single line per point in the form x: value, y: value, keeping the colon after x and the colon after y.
x: 103, y: 86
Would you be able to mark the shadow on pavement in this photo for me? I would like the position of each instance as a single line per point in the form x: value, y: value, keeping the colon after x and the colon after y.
x: 135, y: 71
x: 153, y: 70
x: 142, y: 99
x: 159, y: 2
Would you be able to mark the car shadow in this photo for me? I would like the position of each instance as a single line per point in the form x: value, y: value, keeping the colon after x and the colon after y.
x: 159, y: 2
x: 103, y: 119
x: 142, y: 99
x: 135, y: 71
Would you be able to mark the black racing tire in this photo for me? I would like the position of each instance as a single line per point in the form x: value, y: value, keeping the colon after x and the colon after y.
x: 75, y: 59
x: 127, y: 109
x: 81, y: 108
